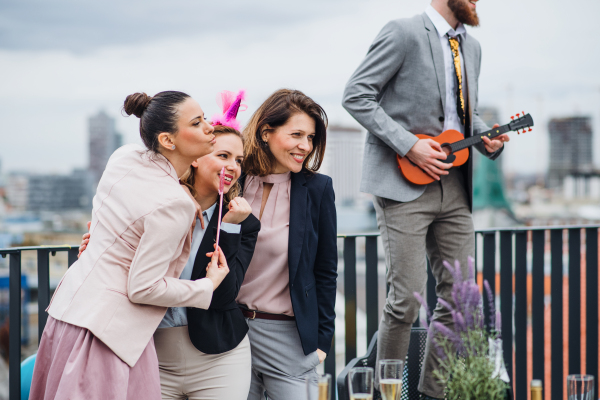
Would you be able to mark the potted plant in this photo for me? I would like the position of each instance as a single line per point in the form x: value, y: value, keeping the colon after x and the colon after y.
x: 471, y: 362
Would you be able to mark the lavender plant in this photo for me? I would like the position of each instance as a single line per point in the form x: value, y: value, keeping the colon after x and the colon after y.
x: 468, y: 354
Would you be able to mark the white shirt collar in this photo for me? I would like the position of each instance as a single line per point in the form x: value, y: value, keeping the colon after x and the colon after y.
x: 210, y: 210
x: 441, y: 25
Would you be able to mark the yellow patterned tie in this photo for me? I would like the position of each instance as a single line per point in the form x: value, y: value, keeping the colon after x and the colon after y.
x: 454, y: 46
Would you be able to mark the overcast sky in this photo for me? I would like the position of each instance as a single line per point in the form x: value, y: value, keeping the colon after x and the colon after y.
x: 64, y: 60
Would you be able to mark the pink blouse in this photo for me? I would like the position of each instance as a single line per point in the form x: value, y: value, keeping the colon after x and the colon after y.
x: 266, y: 285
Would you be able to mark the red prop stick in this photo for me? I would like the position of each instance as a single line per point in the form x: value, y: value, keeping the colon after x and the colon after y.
x: 221, y: 188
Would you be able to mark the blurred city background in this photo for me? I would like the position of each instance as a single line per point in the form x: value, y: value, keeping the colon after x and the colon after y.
x: 68, y: 66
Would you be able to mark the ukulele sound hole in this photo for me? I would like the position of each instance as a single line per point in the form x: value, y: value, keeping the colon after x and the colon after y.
x: 448, y: 150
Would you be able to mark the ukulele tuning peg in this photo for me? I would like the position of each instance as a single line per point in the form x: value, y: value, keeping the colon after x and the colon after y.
x: 523, y: 113
x: 512, y: 117
x: 518, y: 115
x: 529, y: 130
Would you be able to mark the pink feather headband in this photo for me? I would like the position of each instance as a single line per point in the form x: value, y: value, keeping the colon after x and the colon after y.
x: 231, y: 104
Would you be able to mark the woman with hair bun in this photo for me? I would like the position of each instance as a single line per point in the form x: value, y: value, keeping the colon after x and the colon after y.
x: 97, y: 343
x: 288, y: 294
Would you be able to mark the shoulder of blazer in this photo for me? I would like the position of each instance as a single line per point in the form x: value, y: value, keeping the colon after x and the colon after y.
x: 316, y: 180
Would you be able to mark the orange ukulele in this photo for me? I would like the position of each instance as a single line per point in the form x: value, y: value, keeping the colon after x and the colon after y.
x: 457, y: 148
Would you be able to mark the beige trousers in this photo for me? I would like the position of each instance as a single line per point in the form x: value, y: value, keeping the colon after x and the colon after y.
x: 187, y: 373
x: 437, y: 225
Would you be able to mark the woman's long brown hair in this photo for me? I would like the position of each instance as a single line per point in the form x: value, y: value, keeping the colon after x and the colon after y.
x: 273, y: 113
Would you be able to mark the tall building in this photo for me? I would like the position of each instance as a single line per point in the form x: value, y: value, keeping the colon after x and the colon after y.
x: 103, y: 141
x: 570, y: 148
x: 343, y: 162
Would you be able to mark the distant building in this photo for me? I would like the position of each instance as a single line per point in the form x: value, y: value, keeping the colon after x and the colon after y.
x: 60, y: 192
x: 343, y: 162
x: 570, y: 148
x: 17, y: 191
x: 103, y: 141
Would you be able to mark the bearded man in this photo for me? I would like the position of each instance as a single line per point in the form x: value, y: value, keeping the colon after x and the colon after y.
x: 420, y: 76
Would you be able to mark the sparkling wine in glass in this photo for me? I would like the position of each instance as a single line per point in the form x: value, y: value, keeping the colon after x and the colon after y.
x: 361, y: 383
x: 324, y: 384
x: 390, y: 379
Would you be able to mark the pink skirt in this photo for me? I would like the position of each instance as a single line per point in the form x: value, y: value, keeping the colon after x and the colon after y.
x: 73, y: 364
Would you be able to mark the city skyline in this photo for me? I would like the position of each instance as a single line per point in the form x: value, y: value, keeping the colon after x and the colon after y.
x: 59, y: 81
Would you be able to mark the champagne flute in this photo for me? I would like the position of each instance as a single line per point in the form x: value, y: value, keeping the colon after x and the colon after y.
x: 324, y: 383
x: 390, y: 378
x: 361, y: 383
x: 322, y: 389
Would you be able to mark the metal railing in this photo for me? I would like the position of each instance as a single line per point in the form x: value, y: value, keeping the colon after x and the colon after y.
x: 526, y: 257
x: 43, y: 272
x: 520, y: 253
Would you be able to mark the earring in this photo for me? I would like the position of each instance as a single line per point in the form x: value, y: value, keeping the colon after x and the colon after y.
x: 173, y: 147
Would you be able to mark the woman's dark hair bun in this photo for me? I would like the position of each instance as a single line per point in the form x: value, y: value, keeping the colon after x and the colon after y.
x: 136, y: 104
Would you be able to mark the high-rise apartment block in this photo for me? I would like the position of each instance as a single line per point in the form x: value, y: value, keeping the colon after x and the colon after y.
x: 103, y: 141
x: 570, y: 148
x: 343, y: 162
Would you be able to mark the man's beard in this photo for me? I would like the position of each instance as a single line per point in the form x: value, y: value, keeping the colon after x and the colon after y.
x: 463, y: 12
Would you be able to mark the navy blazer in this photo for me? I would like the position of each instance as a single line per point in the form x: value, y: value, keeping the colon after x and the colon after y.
x: 222, y: 327
x: 312, y: 258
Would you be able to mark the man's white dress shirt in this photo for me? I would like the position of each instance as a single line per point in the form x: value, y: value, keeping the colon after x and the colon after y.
x: 451, y: 119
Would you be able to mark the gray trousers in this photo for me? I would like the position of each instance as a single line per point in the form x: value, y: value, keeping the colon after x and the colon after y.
x: 279, y: 366
x: 438, y: 225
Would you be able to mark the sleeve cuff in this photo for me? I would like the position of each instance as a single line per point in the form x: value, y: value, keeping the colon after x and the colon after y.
x: 231, y: 228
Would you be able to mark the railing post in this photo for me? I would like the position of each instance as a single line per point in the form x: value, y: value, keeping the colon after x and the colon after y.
x: 556, y: 254
x: 72, y: 257
x: 575, y: 301
x: 506, y: 298
x: 537, y: 303
x: 43, y: 267
x: 14, y: 385
x: 372, y: 287
x: 489, y: 273
x: 350, y: 295
x: 330, y: 364
x: 592, y: 284
x: 521, y: 315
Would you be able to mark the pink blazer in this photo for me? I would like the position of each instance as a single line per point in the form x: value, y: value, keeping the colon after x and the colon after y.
x: 123, y: 283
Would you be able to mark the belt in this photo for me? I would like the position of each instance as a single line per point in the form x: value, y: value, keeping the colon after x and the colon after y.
x: 261, y: 315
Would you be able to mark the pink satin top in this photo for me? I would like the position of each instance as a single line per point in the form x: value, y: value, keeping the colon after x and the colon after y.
x: 266, y: 285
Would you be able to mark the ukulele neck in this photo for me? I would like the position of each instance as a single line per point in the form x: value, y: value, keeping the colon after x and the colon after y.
x: 473, y: 140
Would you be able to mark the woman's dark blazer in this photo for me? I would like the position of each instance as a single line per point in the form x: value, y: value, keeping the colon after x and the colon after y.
x: 222, y: 327
x: 312, y: 258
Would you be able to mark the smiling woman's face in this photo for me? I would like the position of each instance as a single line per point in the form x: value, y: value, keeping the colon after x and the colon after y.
x: 291, y: 143
x: 229, y: 153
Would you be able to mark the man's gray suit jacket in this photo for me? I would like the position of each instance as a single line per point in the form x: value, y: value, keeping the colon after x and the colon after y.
x: 399, y: 90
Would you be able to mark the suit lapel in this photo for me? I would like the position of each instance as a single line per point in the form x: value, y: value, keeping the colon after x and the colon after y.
x: 206, y: 246
x: 438, y: 57
x: 298, y: 200
x: 468, y: 57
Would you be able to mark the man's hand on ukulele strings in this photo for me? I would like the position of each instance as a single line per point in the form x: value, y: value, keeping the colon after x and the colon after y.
x: 495, y: 144
x: 427, y: 153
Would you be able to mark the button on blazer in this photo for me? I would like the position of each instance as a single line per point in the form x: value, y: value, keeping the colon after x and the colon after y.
x: 140, y: 241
